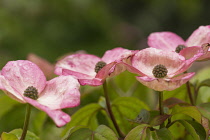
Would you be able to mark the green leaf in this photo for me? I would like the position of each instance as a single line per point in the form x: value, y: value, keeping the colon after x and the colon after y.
x: 140, y: 132
x: 205, y: 82
x: 81, y: 134
x: 29, y: 135
x: 159, y: 120
x: 85, y: 116
x: 127, y: 108
x: 143, y: 117
x: 179, y: 93
x: 192, y: 127
x: 101, y: 133
x: 8, y: 136
x: 199, y: 129
x: 131, y: 87
x: 162, y: 134
x: 170, y: 102
x: 204, y: 109
x: 191, y: 111
x: 104, y: 133
x: 204, y: 92
x: 73, y: 129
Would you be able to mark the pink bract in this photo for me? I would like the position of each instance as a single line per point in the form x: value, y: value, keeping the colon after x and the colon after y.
x: 145, y: 60
x: 169, y: 41
x: 82, y: 66
x: 54, y: 95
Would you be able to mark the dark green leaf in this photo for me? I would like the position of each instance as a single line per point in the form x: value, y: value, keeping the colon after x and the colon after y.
x: 81, y: 134
x: 162, y: 134
x: 85, y: 116
x: 204, y: 109
x: 104, y: 133
x: 70, y: 131
x: 101, y: 133
x: 127, y: 108
x: 140, y: 132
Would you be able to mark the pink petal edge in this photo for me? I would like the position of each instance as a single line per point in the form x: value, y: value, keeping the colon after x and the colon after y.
x: 59, y: 117
x: 167, y: 41
x: 162, y: 84
x: 61, y: 92
x: 199, y: 36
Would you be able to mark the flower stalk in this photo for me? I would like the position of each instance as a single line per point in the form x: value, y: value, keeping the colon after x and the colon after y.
x: 109, y: 110
x: 26, y: 122
x: 161, y: 106
x: 189, y: 93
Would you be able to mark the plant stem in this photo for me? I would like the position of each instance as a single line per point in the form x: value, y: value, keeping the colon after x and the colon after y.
x: 161, y: 106
x: 109, y: 110
x: 190, y: 93
x: 161, y: 102
x: 26, y: 122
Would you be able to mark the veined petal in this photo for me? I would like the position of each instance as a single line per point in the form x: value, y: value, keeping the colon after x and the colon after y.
x: 106, y: 71
x: 189, y: 52
x: 60, y: 92
x: 21, y: 74
x: 116, y: 54
x: 59, y: 117
x: 199, y: 36
x: 145, y: 60
x: 167, y: 41
x: 162, y: 84
x: 78, y: 63
x: 75, y: 74
x: 133, y: 70
x: 188, y: 63
x: 5, y: 86
x: 91, y: 82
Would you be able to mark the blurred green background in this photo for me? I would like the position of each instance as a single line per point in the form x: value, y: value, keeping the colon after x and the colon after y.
x: 51, y: 28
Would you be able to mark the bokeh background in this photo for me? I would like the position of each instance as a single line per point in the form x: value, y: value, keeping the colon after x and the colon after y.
x: 53, y: 28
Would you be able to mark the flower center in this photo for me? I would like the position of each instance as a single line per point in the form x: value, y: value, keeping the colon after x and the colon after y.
x: 159, y: 71
x: 179, y: 48
x: 99, y: 66
x: 31, y: 92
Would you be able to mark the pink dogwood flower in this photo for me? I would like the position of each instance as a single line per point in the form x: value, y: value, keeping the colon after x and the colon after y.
x: 169, y: 41
x: 23, y: 81
x: 161, y: 70
x: 92, y: 70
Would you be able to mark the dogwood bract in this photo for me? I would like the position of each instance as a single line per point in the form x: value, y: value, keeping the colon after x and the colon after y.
x: 23, y: 81
x: 161, y: 70
x: 92, y: 70
x: 169, y: 41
